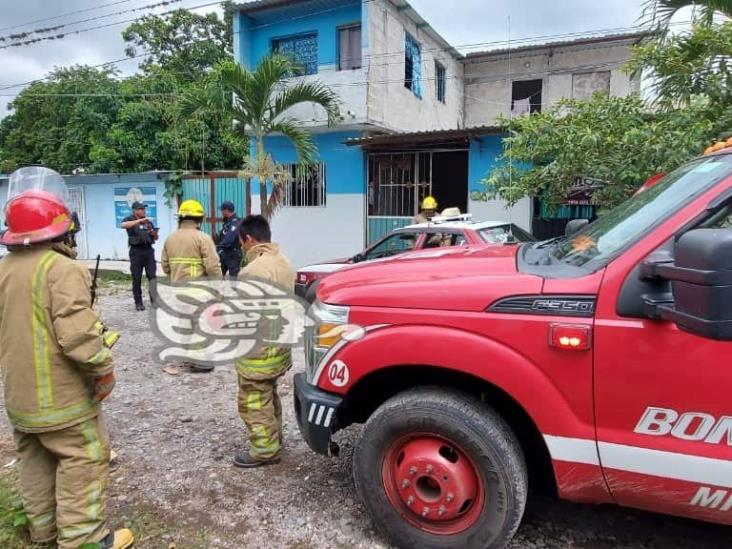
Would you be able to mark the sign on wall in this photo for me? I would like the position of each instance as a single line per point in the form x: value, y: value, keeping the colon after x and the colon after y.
x: 124, y: 197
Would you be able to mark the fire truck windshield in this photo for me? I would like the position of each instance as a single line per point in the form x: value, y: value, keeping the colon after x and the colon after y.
x: 613, y: 231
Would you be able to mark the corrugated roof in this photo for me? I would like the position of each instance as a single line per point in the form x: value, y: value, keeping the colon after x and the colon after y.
x: 423, y: 137
x: 584, y: 41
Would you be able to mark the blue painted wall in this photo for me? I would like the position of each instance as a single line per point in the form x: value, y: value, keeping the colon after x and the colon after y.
x: 102, y: 235
x: 345, y: 166
x: 483, y: 158
x: 254, y: 36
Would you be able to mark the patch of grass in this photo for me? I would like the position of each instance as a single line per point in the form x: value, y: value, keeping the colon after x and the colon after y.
x: 13, y: 520
x: 113, y: 277
x: 149, y: 529
x: 152, y: 531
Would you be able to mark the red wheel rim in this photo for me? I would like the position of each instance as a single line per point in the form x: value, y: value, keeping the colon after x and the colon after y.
x: 432, y: 483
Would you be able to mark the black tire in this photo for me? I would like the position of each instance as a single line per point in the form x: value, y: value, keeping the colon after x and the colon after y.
x: 479, y: 432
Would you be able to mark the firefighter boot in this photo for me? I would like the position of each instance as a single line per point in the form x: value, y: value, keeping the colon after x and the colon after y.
x: 244, y: 460
x: 121, y: 539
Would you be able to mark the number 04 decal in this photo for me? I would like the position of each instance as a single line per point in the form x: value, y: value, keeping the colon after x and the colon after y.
x: 338, y: 373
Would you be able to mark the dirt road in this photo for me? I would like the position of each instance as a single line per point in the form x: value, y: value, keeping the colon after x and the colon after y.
x: 176, y: 435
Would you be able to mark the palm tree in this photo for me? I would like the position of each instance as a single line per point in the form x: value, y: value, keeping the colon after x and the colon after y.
x: 658, y: 13
x: 258, y: 103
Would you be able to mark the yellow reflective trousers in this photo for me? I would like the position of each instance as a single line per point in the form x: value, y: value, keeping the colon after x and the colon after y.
x: 63, y: 475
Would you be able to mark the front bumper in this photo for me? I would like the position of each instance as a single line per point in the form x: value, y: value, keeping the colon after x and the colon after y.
x: 317, y: 416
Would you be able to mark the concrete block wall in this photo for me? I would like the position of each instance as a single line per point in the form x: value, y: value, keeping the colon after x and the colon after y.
x: 488, y: 88
x: 391, y: 105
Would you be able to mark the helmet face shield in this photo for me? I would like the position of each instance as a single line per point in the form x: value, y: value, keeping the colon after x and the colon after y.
x: 36, y: 209
x: 37, y: 178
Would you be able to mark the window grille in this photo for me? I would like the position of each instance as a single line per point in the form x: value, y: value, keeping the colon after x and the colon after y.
x: 302, y: 48
x: 413, y: 66
x: 306, y: 187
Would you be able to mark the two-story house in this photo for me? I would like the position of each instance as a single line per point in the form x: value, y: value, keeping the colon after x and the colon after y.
x: 418, y: 117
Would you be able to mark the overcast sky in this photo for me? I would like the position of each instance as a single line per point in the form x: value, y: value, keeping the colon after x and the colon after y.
x: 465, y: 22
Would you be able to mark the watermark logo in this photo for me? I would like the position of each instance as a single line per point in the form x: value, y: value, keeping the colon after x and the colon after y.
x: 216, y: 322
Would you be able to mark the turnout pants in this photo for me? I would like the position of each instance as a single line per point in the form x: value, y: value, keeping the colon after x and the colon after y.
x: 259, y: 405
x: 63, y: 477
x: 142, y: 258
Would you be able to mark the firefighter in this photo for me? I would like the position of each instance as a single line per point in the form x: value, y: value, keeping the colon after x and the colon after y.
x: 258, y: 372
x: 190, y: 254
x: 429, y: 210
x: 56, y: 369
x: 141, y: 235
x: 227, y: 241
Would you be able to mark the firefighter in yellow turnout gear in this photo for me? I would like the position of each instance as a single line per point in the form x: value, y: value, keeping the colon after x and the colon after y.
x: 189, y: 253
x: 56, y: 369
x: 258, y: 372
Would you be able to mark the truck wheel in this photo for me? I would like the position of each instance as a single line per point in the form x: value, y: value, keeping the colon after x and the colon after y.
x: 437, y: 468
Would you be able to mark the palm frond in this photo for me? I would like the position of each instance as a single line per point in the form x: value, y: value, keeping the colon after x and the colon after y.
x: 274, y: 203
x: 301, y: 139
x: 658, y: 13
x: 307, y: 92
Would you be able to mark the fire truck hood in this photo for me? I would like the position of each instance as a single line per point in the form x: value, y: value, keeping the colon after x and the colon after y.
x: 467, y: 278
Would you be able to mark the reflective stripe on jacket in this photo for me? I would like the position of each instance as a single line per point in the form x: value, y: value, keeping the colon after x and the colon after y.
x: 51, y: 344
x: 266, y: 262
x: 189, y: 254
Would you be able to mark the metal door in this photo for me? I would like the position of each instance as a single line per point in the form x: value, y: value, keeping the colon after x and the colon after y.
x: 77, y: 204
x: 398, y: 182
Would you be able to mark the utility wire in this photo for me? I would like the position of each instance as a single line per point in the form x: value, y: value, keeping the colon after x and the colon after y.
x: 60, y: 36
x: 63, y: 15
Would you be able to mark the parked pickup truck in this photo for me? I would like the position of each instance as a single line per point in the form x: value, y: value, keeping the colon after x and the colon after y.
x: 598, y: 364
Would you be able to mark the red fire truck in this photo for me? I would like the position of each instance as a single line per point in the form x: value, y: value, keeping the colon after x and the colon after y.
x: 599, y: 363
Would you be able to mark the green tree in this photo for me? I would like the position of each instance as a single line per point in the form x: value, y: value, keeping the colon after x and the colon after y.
x: 611, y: 139
x: 82, y: 117
x: 258, y: 103
x: 56, y: 122
x: 688, y: 66
x: 185, y: 43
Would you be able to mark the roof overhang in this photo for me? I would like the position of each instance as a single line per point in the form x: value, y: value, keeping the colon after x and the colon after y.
x: 424, y: 139
x: 620, y: 39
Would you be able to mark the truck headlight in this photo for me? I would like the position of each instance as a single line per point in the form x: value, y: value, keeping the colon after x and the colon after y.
x: 331, y: 322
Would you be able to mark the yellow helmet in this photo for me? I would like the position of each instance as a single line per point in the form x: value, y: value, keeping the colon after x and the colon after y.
x: 429, y: 203
x: 191, y: 208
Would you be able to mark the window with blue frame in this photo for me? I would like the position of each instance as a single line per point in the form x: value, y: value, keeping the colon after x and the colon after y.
x: 302, y: 48
x: 440, y: 81
x: 413, y: 65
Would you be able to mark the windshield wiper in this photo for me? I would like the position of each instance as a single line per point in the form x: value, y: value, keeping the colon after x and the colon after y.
x: 546, y: 243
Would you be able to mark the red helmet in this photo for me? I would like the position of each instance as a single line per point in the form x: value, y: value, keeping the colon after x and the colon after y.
x: 36, y: 210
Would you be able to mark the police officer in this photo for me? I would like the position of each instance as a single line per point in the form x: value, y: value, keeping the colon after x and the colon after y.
x: 56, y: 369
x: 258, y: 372
x: 141, y: 235
x: 227, y: 241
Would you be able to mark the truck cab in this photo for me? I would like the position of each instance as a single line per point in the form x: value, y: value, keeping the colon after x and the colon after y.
x: 598, y: 364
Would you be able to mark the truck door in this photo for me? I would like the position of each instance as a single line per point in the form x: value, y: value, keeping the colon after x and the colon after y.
x: 662, y: 396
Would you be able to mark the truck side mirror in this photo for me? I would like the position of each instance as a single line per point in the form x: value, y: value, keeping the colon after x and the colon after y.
x: 575, y: 226
x: 359, y: 258
x: 701, y: 282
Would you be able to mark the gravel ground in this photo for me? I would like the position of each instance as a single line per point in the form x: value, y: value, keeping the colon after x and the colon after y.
x: 176, y: 435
